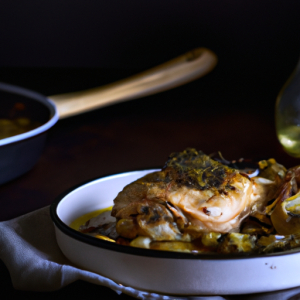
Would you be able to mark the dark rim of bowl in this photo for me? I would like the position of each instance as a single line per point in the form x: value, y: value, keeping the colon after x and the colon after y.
x: 141, y: 251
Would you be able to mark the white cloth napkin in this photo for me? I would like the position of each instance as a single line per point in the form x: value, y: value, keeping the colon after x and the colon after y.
x: 29, y: 250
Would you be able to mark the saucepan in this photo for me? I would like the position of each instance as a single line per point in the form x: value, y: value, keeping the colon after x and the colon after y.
x: 20, y: 152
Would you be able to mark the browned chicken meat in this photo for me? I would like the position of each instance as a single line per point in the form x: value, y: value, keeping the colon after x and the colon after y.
x: 192, y: 194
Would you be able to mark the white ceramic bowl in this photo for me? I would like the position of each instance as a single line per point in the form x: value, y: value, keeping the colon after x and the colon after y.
x: 162, y: 271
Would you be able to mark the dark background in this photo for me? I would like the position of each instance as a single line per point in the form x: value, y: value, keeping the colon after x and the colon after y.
x: 138, y: 34
x: 62, y: 46
x: 257, y: 42
x: 257, y: 38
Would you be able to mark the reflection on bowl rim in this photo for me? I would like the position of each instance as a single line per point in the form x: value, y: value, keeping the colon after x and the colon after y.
x: 36, y: 96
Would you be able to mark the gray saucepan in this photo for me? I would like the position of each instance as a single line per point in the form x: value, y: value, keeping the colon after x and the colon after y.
x: 19, y: 153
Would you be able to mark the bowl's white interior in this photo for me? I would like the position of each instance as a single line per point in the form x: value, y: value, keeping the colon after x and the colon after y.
x: 95, y: 195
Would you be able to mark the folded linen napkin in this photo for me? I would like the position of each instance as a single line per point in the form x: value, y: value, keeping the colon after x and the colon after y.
x: 29, y: 250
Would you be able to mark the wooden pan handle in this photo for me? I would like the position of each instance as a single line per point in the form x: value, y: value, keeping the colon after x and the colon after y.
x: 176, y: 72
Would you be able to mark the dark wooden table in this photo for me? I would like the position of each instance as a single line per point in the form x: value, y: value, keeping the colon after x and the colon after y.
x: 230, y: 110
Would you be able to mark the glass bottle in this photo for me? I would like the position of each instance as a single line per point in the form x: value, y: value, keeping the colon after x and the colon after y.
x: 287, y: 114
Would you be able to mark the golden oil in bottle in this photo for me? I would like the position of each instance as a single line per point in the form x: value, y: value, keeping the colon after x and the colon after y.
x: 287, y: 114
x: 289, y: 137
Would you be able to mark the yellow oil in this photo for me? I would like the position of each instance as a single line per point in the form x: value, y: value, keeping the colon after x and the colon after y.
x: 289, y: 137
x: 83, y: 219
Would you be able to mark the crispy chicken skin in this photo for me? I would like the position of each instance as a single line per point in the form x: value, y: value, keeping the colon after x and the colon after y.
x: 192, y: 194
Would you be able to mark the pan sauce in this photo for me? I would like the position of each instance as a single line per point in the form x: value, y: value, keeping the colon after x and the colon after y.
x: 11, y: 127
x: 16, y: 120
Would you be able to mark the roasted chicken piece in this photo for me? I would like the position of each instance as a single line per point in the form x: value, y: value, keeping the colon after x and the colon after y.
x: 285, y: 210
x: 192, y: 194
